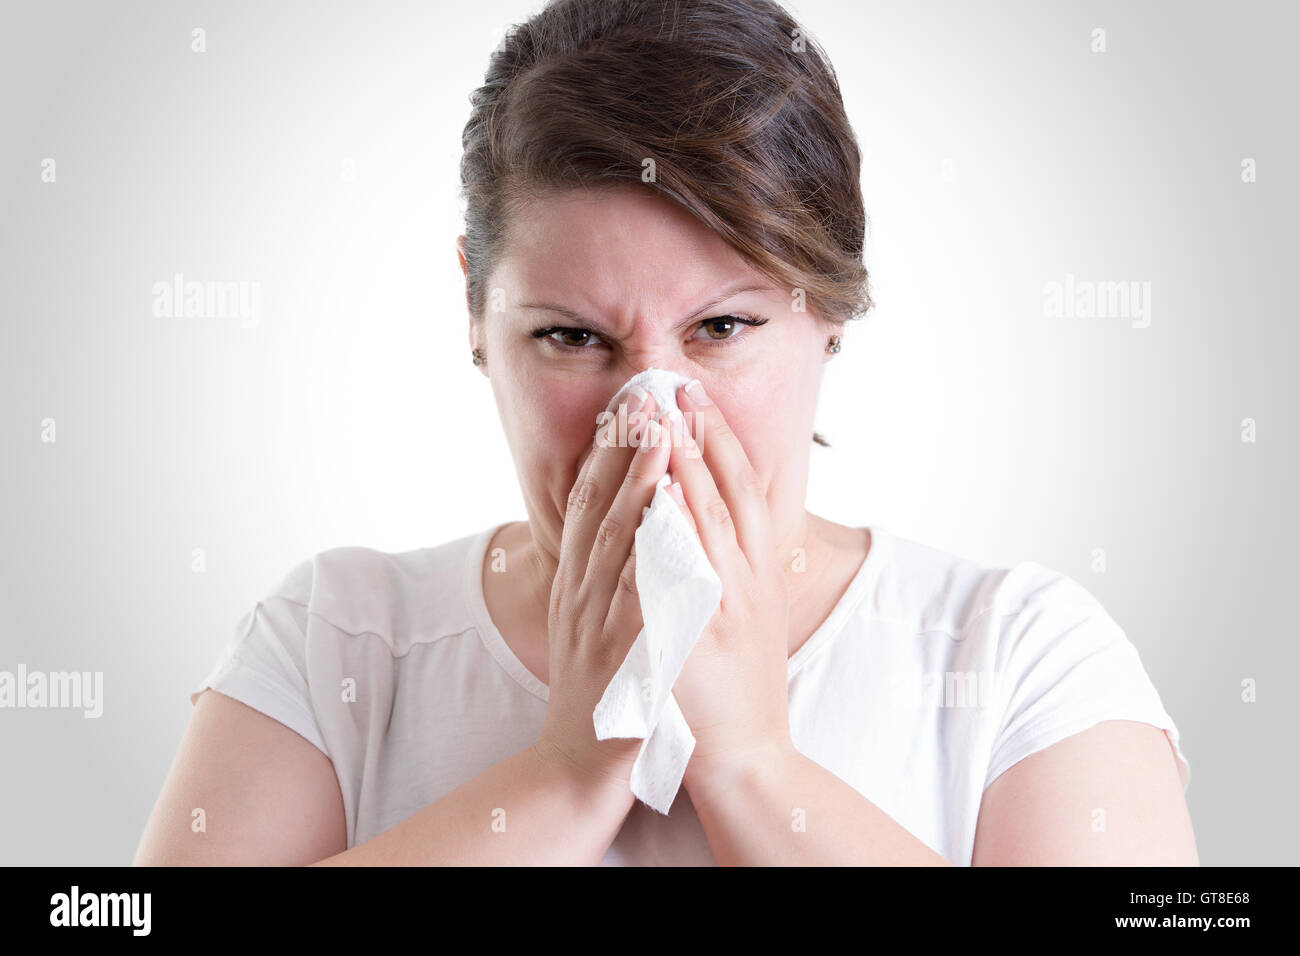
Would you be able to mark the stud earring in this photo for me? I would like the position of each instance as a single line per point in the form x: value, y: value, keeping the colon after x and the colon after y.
x: 479, y: 357
x: 833, y: 344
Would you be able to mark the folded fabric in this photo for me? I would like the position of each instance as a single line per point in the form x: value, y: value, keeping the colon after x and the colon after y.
x: 679, y: 592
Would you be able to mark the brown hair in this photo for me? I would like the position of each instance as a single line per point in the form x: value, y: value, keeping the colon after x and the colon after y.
x: 737, y: 107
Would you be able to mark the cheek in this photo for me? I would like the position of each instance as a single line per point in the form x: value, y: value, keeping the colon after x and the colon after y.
x: 767, y: 414
x: 554, y: 423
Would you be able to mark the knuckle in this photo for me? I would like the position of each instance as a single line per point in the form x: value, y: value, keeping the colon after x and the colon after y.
x: 750, y: 484
x: 557, y: 612
x: 627, y: 579
x: 608, y: 533
x: 718, y: 512
x: 583, y: 495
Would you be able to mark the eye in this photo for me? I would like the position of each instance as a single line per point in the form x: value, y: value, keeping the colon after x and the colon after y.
x: 567, y: 337
x: 720, y: 330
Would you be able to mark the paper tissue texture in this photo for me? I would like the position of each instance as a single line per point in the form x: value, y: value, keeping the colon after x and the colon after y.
x: 679, y: 592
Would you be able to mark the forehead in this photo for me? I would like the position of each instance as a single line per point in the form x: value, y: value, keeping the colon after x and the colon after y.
x: 610, y: 250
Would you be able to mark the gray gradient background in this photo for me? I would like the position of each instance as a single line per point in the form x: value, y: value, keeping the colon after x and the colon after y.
x: 960, y: 415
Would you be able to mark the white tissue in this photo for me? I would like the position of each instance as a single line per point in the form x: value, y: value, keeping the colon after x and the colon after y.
x: 679, y: 592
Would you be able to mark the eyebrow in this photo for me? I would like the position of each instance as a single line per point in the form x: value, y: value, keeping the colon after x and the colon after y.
x: 599, y: 327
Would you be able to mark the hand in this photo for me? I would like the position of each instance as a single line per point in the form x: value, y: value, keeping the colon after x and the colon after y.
x: 595, y: 614
x: 733, y: 689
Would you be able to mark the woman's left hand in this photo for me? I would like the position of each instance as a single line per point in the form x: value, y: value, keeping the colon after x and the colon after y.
x: 733, y: 689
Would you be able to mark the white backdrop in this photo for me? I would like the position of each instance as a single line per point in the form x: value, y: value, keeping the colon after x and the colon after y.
x: 310, y: 153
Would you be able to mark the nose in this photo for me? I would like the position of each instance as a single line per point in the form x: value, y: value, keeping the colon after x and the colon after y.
x: 662, y: 383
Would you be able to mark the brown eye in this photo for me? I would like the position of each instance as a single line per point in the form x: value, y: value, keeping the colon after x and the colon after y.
x: 716, y: 333
x: 582, y: 334
x: 567, y: 340
x: 723, y: 329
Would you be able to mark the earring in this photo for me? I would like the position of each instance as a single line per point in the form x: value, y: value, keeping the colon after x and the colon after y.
x: 479, y: 357
x: 833, y: 344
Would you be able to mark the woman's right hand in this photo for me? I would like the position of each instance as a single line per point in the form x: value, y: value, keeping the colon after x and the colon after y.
x: 595, y: 614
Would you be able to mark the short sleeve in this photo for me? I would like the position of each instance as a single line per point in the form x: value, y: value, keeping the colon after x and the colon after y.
x: 265, y: 663
x: 1064, y: 666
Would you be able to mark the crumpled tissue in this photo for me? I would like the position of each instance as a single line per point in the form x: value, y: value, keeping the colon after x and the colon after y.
x: 679, y: 592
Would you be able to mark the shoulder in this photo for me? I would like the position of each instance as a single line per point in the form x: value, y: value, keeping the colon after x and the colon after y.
x: 927, y: 589
x: 1047, y: 658
x: 1017, y: 613
x: 397, y: 596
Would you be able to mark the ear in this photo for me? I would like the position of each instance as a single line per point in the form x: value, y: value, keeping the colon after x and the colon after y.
x: 475, y: 338
x: 829, y: 328
x: 476, y: 341
x: 464, y: 268
x: 464, y: 264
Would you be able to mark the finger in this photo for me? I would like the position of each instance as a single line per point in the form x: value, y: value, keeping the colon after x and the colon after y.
x: 592, y: 494
x: 733, y: 475
x: 609, y: 430
x: 624, y: 622
x: 675, y: 492
x: 712, y: 515
x: 617, y: 531
x: 572, y: 562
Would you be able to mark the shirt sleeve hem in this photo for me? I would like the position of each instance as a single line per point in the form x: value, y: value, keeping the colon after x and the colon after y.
x: 1040, y: 736
x: 265, y: 695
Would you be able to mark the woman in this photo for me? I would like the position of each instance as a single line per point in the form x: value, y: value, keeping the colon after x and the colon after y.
x: 671, y: 185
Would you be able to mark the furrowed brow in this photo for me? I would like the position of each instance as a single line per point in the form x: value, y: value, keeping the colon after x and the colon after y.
x: 595, y: 326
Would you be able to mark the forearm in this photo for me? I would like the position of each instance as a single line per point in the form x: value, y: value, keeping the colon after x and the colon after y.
x: 521, y: 811
x: 788, y: 810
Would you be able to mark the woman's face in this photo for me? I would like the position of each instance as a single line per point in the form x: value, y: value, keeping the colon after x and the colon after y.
x: 626, y: 280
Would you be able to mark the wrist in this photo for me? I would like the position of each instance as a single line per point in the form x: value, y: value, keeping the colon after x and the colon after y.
x: 733, y: 770
x: 589, y: 782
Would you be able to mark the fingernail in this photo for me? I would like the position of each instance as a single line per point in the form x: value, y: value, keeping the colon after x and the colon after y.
x: 675, y: 489
x: 649, y: 438
x: 639, y: 395
x: 696, y: 391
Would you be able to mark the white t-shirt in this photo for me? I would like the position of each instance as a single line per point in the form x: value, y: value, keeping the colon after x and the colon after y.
x: 932, y: 675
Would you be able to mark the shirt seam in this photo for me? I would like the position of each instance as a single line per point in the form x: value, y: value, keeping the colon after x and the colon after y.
x: 953, y: 632
x: 387, y: 639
